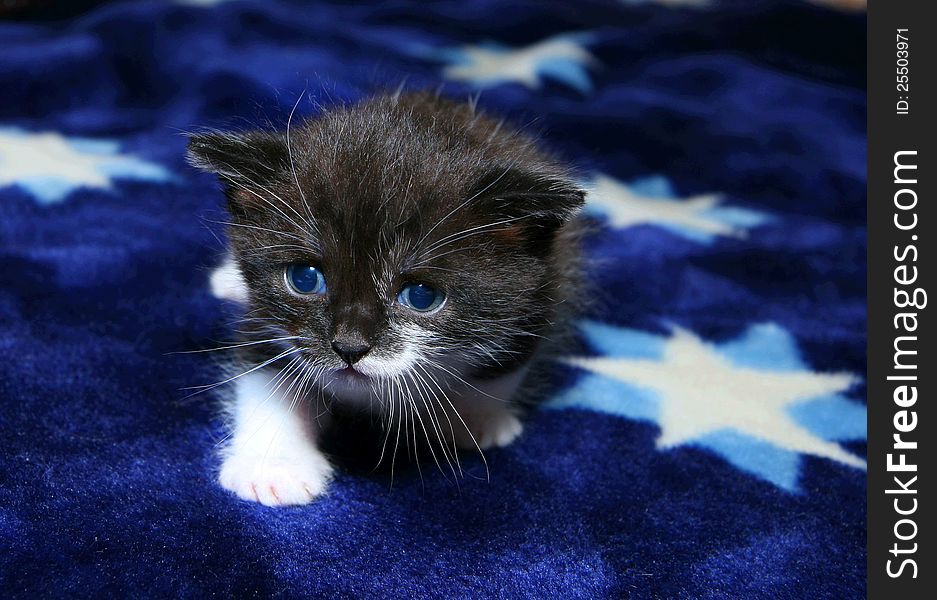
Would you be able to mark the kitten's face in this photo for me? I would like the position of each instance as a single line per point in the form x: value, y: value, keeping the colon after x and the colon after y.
x: 395, y: 239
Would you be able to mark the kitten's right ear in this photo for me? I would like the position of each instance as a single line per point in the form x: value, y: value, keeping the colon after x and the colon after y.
x: 239, y: 158
x: 245, y: 162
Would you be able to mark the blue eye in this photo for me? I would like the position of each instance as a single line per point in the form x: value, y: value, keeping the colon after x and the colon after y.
x: 305, y: 279
x: 420, y: 297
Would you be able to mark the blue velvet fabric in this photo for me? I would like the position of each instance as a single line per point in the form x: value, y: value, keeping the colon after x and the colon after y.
x: 754, y: 110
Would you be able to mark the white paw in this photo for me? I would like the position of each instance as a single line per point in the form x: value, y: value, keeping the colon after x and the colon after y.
x: 495, y: 428
x: 276, y: 481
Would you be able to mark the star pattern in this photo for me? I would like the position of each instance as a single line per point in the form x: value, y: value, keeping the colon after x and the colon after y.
x: 50, y: 166
x: 650, y: 201
x: 752, y: 400
x: 562, y: 58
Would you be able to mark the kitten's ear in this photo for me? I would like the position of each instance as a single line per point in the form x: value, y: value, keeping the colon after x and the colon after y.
x: 255, y: 155
x: 539, y: 200
x: 245, y: 162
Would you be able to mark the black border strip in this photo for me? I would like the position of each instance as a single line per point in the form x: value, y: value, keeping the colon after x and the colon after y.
x: 901, y: 227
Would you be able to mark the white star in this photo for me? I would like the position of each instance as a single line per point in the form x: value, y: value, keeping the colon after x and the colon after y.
x: 625, y: 207
x: 701, y: 393
x: 50, y: 165
x: 561, y: 58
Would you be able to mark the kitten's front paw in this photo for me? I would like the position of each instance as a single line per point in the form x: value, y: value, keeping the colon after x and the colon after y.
x: 493, y: 428
x: 276, y: 481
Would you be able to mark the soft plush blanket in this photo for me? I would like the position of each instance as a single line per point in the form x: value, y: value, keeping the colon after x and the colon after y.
x: 707, y: 438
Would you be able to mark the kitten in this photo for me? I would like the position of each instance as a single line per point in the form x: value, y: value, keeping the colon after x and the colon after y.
x: 405, y: 255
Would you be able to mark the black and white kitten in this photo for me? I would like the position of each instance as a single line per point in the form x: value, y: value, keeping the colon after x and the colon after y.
x: 405, y: 255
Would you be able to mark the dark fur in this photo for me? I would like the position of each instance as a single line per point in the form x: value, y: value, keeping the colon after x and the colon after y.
x: 378, y: 180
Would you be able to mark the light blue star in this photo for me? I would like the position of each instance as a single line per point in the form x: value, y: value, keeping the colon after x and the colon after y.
x: 50, y: 166
x: 562, y: 58
x: 752, y: 400
x: 651, y: 201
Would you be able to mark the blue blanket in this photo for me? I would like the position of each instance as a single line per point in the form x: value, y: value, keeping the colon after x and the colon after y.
x: 707, y: 439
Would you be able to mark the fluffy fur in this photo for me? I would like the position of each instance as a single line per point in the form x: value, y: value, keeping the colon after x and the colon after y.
x: 392, y: 191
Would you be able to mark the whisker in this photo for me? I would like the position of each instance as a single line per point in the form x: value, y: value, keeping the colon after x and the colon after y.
x: 258, y: 228
x: 463, y: 205
x: 279, y: 376
x: 205, y: 388
x: 434, y: 420
x: 268, y: 202
x: 289, y: 150
x: 455, y: 450
x: 469, y: 431
x: 233, y: 346
x: 416, y: 413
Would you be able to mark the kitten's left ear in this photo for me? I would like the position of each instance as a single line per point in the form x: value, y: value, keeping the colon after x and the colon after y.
x: 543, y: 199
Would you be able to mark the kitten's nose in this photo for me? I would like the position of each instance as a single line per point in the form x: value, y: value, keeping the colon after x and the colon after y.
x: 351, y: 352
